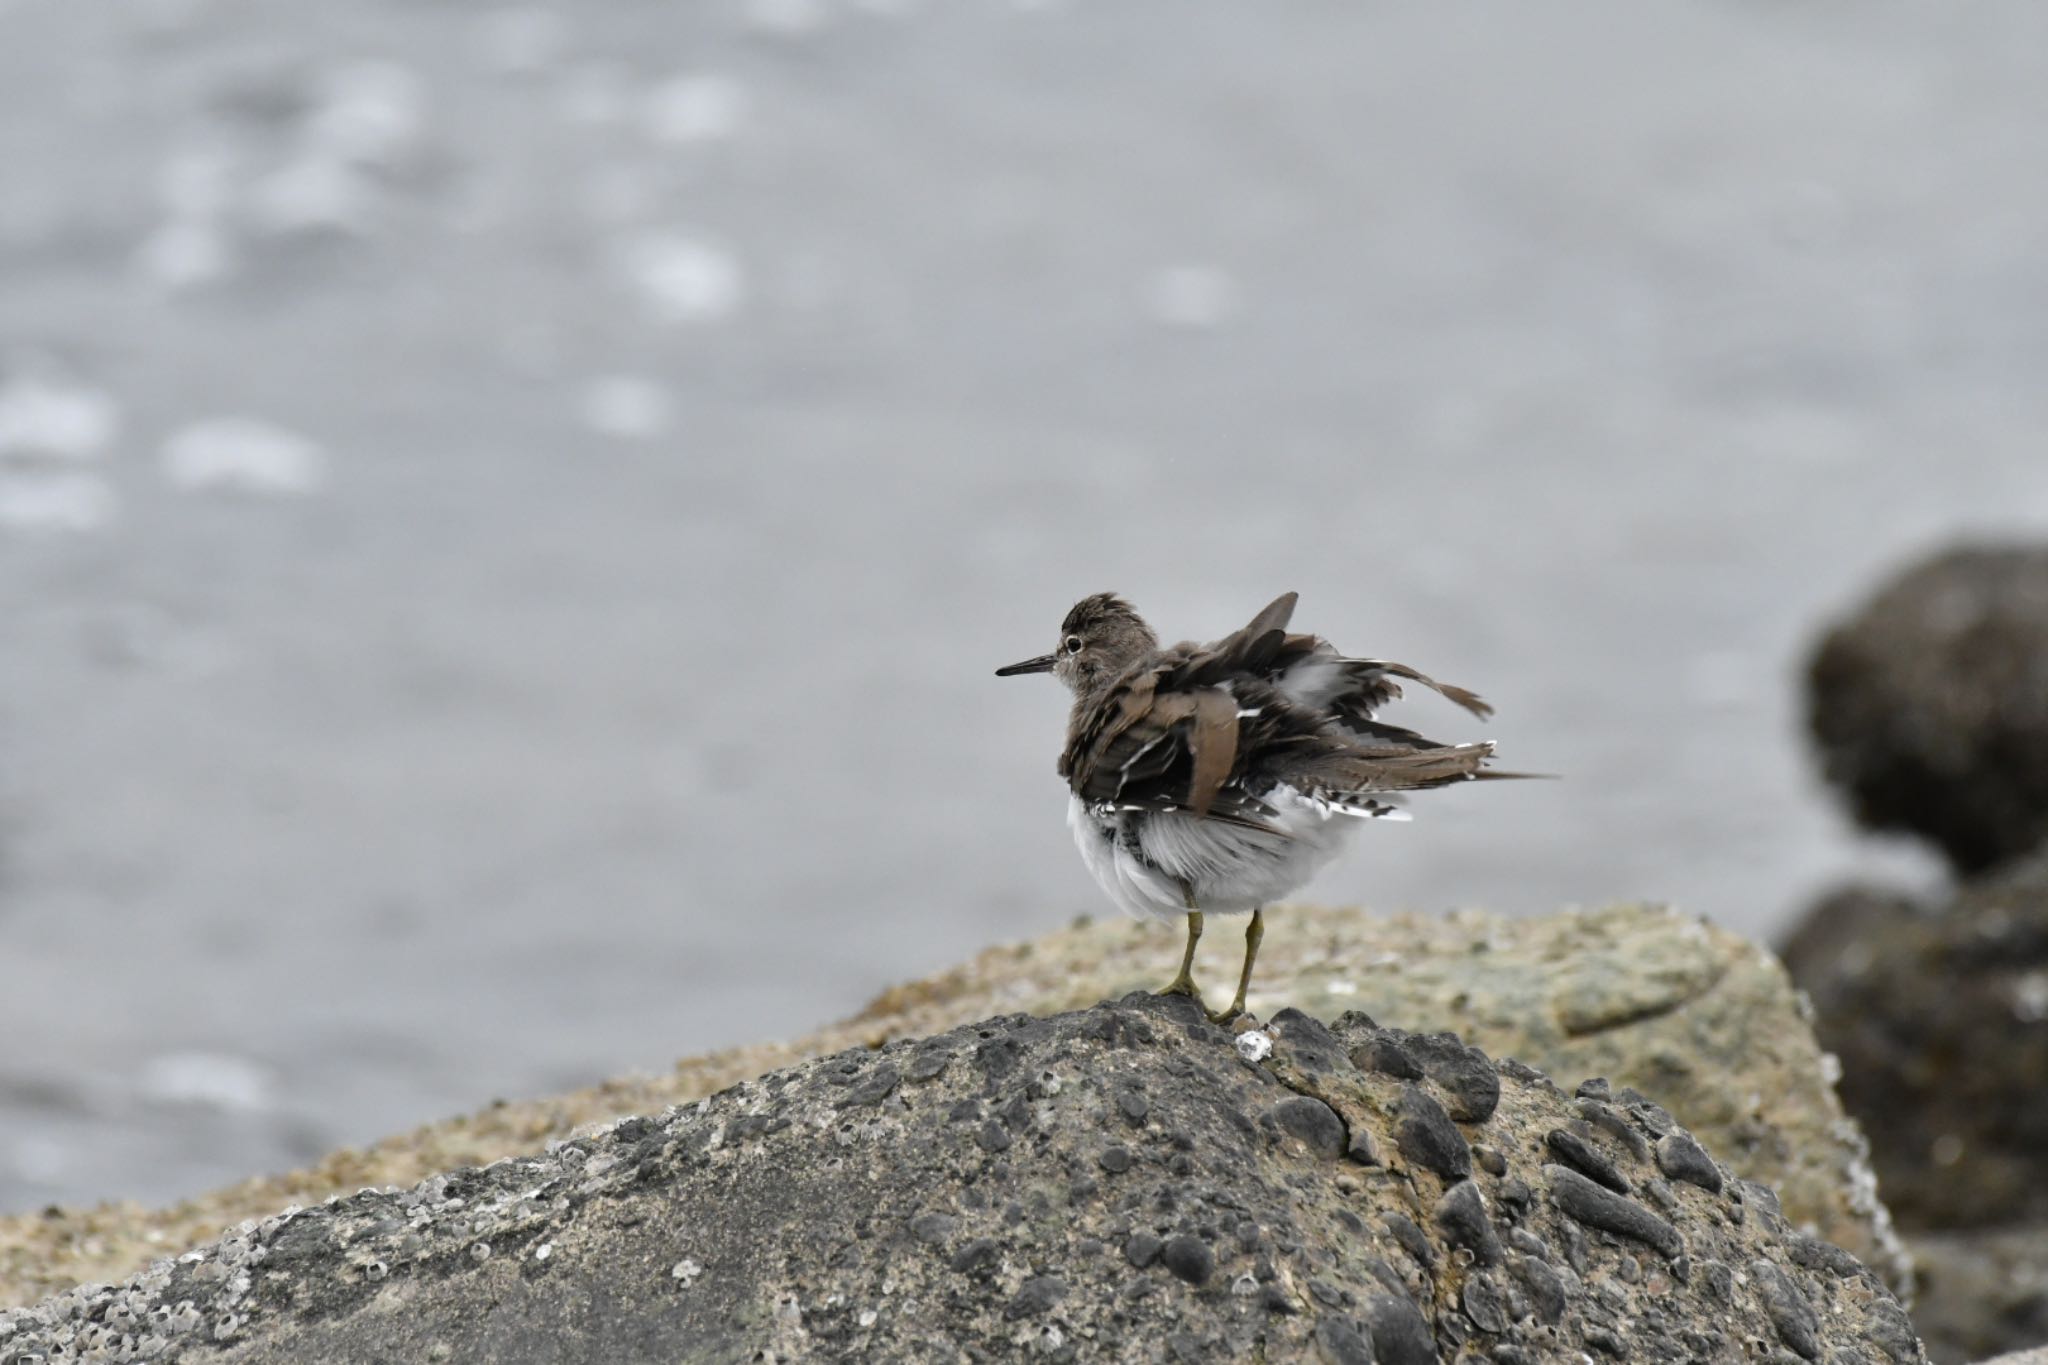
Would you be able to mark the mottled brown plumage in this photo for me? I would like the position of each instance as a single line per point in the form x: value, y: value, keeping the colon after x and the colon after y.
x: 1166, y: 730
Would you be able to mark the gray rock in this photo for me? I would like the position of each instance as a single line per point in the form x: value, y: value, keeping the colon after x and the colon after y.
x: 776, y: 1220
x: 1982, y: 1292
x: 1941, y: 1024
x: 1663, y: 1004
x: 1930, y: 704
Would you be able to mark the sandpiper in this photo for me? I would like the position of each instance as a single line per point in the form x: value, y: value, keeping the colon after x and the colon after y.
x: 1214, y: 779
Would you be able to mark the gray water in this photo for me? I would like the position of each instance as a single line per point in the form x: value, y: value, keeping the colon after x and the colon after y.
x: 507, y: 516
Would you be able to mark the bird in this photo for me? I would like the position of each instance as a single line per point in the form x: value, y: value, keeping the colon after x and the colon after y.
x: 1217, y: 778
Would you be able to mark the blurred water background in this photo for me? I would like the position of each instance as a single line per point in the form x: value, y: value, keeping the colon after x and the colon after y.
x: 507, y: 515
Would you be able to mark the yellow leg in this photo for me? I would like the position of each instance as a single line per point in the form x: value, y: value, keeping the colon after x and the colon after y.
x: 1184, y: 984
x: 1254, y: 933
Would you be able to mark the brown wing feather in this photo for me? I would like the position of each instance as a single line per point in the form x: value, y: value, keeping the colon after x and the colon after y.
x: 1213, y: 741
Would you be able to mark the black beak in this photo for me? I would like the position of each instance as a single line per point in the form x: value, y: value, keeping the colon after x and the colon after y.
x: 1042, y: 664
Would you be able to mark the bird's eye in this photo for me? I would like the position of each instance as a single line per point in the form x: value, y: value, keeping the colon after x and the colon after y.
x: 1073, y: 644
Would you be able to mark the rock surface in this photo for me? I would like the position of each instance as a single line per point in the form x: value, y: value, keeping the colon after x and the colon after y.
x: 1697, y: 1018
x: 1981, y: 1291
x: 1116, y: 1183
x: 1930, y: 704
x: 1840, y: 932
x: 1941, y: 1024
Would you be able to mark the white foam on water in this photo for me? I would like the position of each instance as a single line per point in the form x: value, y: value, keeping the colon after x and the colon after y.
x: 1193, y: 296
x: 246, y: 455
x: 46, y: 417
x: 218, y: 1080
x: 693, y: 108
x: 685, y: 279
x: 55, y: 500
x: 629, y: 407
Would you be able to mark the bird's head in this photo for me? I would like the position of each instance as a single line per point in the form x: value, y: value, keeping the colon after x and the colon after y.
x: 1101, y: 637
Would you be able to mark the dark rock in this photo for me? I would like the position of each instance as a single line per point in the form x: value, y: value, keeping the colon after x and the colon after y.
x: 1461, y: 1214
x: 1400, y: 1334
x: 1485, y: 1303
x: 1115, y: 1160
x: 1682, y: 1158
x: 1941, y: 1024
x: 1427, y: 1137
x: 1035, y: 1296
x: 1615, y: 1124
x: 1341, y: 1344
x: 1133, y: 1106
x: 1544, y: 1285
x: 933, y: 1228
x: 980, y: 1254
x: 1464, y: 1073
x: 1798, y: 1326
x: 1929, y: 706
x: 1599, y: 1207
x: 1313, y: 1122
x: 1411, y: 1239
x: 1982, y: 1292
x: 664, y: 1238
x: 1583, y: 1157
x: 1189, y: 1257
x: 1835, y: 934
x: 1385, y: 1053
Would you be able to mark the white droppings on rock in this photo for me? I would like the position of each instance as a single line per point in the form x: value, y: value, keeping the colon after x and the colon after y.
x: 45, y: 416
x: 1830, y: 1068
x: 245, y: 455
x: 1254, y: 1045
x: 683, y: 279
x: 1343, y: 988
x: 693, y: 108
x: 1192, y: 296
x: 55, y: 501
x: 627, y: 407
x: 869, y: 1317
x: 543, y: 1251
x: 685, y: 1272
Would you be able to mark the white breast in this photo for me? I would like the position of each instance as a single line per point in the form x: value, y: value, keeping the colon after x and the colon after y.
x: 1231, y: 870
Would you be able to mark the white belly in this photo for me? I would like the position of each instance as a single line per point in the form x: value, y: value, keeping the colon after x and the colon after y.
x: 1230, y: 870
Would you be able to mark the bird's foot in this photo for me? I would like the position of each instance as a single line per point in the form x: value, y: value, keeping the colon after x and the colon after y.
x: 1226, y: 1016
x: 1184, y: 985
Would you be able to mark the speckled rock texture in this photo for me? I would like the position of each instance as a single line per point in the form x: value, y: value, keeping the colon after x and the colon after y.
x: 1695, y: 1017
x: 1982, y: 1291
x: 2035, y: 1357
x: 1930, y: 705
x: 1941, y: 1024
x: 1121, y: 1183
